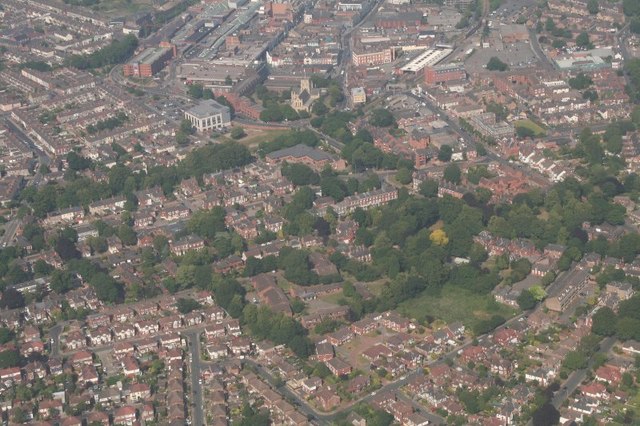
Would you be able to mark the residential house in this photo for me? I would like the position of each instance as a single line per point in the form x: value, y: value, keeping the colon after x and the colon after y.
x: 338, y: 367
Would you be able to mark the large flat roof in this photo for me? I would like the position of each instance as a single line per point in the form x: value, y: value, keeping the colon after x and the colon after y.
x: 150, y: 55
x: 207, y: 108
x: 428, y: 58
x: 300, y: 151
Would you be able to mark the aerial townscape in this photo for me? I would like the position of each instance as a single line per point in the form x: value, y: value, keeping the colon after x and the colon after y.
x: 319, y: 212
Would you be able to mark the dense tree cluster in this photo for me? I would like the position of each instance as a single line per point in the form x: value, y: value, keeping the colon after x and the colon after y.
x: 279, y: 328
x: 580, y: 82
x: 381, y: 117
x: 106, y: 287
x: 300, y: 174
x: 495, y: 64
x: 333, y: 87
x: 296, y: 266
x: 207, y: 223
x: 289, y: 139
x: 187, y: 305
x: 81, y: 191
x: 625, y: 325
x: 108, y: 123
x: 632, y: 68
x: 117, y: 52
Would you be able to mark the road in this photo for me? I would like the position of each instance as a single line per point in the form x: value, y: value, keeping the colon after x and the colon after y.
x: 11, y: 227
x: 393, y: 387
x: 621, y: 38
x: 537, y: 50
x: 469, y: 139
x: 9, y: 232
x: 54, y: 336
x: 577, y: 377
x: 197, y: 416
x: 345, y: 54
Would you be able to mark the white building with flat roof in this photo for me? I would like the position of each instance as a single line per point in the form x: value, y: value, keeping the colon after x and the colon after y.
x: 208, y: 115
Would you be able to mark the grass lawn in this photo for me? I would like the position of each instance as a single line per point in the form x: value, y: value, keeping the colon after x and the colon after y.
x: 535, y: 128
x: 120, y: 7
x: 455, y: 304
x: 255, y: 137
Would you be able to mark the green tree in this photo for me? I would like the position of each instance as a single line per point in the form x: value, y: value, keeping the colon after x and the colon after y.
x: 526, y: 300
x: 631, y: 7
x: 187, y: 305
x: 445, y: 152
x: 550, y: 25
x: 196, y: 91
x: 495, y: 64
x: 575, y: 360
x: 546, y: 415
x: 580, y: 81
x: 300, y: 174
x: 127, y: 235
x: 12, y: 299
x: 404, y: 176
x: 9, y: 358
x: 61, y: 281
x: 593, y: 7
x: 381, y: 117
x: 6, y: 335
x: 453, y: 174
x: 429, y: 188
x: 116, y: 52
x: 604, y: 322
x: 237, y: 133
x: 582, y: 40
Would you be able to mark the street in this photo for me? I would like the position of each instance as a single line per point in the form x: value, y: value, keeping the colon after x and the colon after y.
x: 394, y: 386
x: 11, y: 227
x: 577, y: 377
x: 197, y: 411
x: 54, y: 336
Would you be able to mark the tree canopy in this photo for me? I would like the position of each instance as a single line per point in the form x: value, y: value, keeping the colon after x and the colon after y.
x: 117, y: 52
x: 495, y: 64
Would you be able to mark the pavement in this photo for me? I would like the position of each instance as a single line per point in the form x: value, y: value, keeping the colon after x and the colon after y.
x: 11, y: 227
x: 469, y: 139
x: 537, y: 50
x: 54, y: 336
x: 197, y: 417
x: 394, y: 387
x: 621, y: 38
x: 577, y: 377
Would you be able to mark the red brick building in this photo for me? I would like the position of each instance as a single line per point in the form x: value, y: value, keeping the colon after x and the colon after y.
x: 444, y: 73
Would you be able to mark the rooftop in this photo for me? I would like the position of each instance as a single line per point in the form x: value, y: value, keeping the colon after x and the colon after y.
x: 150, y: 55
x: 300, y: 151
x: 207, y: 108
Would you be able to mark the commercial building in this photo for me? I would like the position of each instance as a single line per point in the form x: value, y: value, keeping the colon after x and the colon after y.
x: 304, y: 154
x: 358, y: 96
x: 428, y: 58
x: 487, y: 125
x: 365, y: 54
x: 444, y: 73
x: 223, y: 77
x: 149, y: 62
x: 208, y: 115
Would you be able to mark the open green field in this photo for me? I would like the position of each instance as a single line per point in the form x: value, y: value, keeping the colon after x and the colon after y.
x: 113, y: 8
x: 255, y: 137
x: 455, y: 304
x: 535, y: 128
